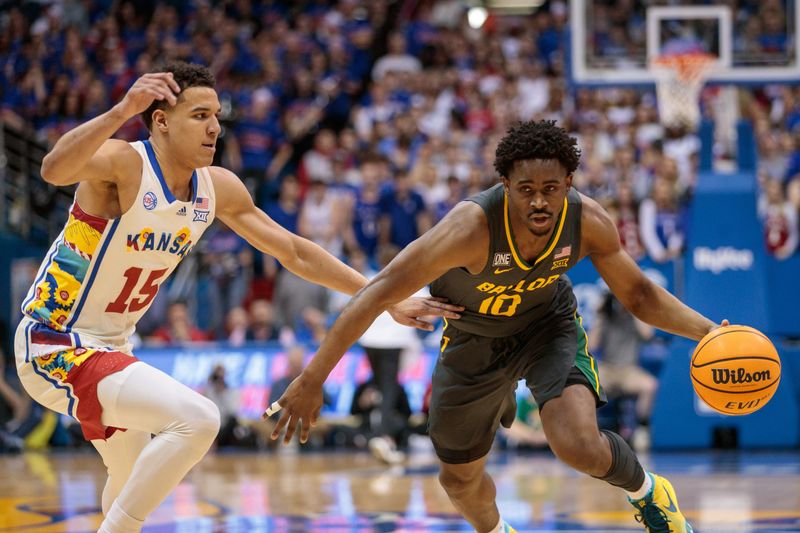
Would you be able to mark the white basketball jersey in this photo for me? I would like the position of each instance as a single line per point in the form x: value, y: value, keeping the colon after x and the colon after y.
x: 100, y: 276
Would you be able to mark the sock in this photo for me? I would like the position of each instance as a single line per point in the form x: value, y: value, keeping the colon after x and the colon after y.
x: 118, y: 521
x: 647, y: 486
x: 500, y: 527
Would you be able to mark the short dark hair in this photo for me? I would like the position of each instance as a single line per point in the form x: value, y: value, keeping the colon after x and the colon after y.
x: 186, y: 75
x: 536, y: 140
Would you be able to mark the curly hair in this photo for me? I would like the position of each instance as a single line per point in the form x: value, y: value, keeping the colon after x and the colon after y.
x: 536, y: 140
x: 186, y: 75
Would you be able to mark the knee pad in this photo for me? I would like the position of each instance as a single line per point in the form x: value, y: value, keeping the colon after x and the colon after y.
x: 625, y: 471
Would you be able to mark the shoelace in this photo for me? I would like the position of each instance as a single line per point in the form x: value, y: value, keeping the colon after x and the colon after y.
x: 654, y: 519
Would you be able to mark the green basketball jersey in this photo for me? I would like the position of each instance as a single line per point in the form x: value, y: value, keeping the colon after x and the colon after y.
x: 509, y: 293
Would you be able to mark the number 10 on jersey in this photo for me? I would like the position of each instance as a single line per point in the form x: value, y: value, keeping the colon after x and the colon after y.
x: 500, y: 305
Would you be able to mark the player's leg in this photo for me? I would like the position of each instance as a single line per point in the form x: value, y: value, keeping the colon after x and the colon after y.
x: 119, y: 453
x: 472, y: 492
x: 468, y: 403
x: 570, y: 423
x: 565, y: 383
x: 184, y: 423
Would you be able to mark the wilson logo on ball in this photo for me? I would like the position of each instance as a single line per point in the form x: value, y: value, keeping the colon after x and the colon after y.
x: 723, y: 376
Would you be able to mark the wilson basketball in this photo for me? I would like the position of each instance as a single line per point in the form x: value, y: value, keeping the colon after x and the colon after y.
x: 735, y: 370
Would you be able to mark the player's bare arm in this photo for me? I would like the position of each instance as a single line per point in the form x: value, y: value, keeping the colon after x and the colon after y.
x: 305, y: 258
x: 641, y: 296
x: 308, y: 260
x: 87, y: 153
x: 108, y: 170
x: 459, y: 240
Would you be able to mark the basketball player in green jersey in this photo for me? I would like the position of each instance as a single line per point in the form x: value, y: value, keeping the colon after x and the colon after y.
x: 501, y: 255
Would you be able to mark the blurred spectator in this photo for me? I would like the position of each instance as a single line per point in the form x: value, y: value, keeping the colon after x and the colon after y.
x: 377, y: 110
x: 773, y: 160
x: 179, y: 328
x: 617, y: 336
x: 236, y: 326
x: 397, y: 59
x: 403, y: 213
x: 661, y: 221
x: 262, y: 326
x: 316, y: 166
x: 596, y: 183
x: 229, y: 265
x: 322, y: 219
x: 366, y: 214
x: 286, y: 210
x: 300, y: 306
x: 625, y: 213
x: 455, y: 193
x: 259, y: 149
x: 779, y: 216
x: 231, y: 432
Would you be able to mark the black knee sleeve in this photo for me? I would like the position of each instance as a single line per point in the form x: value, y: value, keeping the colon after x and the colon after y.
x: 625, y: 471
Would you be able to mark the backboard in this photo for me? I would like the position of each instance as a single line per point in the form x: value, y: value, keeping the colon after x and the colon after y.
x: 612, y: 42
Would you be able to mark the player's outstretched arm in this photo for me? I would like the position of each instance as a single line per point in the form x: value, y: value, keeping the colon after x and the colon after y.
x: 308, y: 260
x: 646, y: 300
x: 460, y: 239
x: 87, y: 153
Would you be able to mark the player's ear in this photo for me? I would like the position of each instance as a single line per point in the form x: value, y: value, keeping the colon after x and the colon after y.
x: 160, y: 120
x: 506, y: 184
x: 569, y: 181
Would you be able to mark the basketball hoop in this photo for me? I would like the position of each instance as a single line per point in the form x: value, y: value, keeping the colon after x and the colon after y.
x: 679, y: 79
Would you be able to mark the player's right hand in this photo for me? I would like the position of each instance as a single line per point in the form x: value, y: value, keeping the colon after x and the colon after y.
x: 150, y: 87
x: 300, y: 404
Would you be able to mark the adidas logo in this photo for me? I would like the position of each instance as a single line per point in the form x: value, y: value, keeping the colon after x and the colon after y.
x: 182, y: 211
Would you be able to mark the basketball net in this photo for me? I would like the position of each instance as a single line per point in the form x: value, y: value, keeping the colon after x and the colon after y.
x: 679, y: 80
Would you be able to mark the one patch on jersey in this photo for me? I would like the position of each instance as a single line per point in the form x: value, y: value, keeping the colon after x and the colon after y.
x: 501, y: 259
x: 566, y: 251
x: 200, y: 215
x: 560, y: 263
x: 201, y: 203
x: 149, y: 200
x: 182, y: 211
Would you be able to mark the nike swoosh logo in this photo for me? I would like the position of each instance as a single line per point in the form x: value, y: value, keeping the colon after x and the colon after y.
x: 501, y: 270
x: 672, y: 508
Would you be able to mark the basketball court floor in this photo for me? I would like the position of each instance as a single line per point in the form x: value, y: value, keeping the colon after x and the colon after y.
x: 731, y: 492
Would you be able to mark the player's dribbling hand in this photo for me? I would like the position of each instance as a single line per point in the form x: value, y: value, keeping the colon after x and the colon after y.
x: 153, y: 86
x: 409, y: 311
x: 301, y: 403
x: 722, y: 324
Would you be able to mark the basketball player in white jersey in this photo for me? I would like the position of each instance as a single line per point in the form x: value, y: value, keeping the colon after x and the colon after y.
x: 139, y: 209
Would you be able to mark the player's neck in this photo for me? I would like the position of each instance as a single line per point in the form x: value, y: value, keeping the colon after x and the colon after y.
x: 177, y: 176
x: 529, y: 246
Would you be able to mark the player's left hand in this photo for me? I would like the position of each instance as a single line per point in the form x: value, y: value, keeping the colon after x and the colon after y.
x: 299, y: 405
x: 410, y: 312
